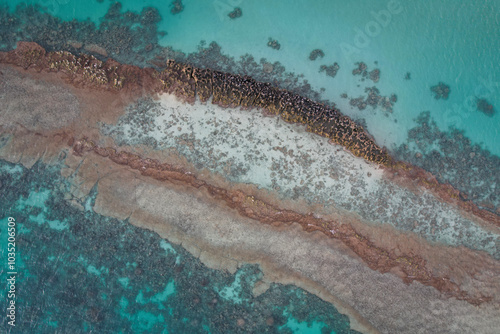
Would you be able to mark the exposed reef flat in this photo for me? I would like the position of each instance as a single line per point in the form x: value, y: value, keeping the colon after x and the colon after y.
x: 227, y: 90
x: 294, y: 163
x: 369, y: 269
x: 186, y: 81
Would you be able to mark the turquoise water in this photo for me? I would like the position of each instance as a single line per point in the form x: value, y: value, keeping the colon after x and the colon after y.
x: 96, y: 274
x: 418, y: 37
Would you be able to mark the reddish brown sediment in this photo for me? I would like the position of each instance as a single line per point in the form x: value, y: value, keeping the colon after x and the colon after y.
x: 184, y: 81
x: 229, y: 90
x: 411, y: 267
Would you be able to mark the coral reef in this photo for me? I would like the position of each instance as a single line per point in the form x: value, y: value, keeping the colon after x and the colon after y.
x: 316, y: 53
x: 438, y: 272
x: 273, y: 44
x: 127, y: 38
x: 485, y: 107
x: 449, y: 278
x: 453, y: 159
x: 441, y: 91
x: 373, y: 99
x: 120, y: 34
x: 177, y: 7
x: 235, y: 13
x: 362, y: 70
x: 226, y: 89
x: 136, y: 273
x: 331, y: 70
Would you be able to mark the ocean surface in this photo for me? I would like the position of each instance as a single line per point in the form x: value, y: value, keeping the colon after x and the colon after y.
x: 84, y: 272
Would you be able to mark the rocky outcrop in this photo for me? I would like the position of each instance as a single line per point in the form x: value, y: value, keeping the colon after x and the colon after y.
x: 186, y: 81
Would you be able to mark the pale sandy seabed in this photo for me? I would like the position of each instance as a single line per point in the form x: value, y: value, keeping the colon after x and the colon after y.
x: 277, y: 163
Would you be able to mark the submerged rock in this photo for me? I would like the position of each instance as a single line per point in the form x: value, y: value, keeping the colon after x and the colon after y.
x: 273, y: 44
x: 362, y: 70
x: 441, y: 91
x: 235, y: 13
x: 331, y: 70
x: 316, y: 53
x: 177, y: 7
x: 374, y: 99
x: 375, y: 75
x: 485, y: 107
